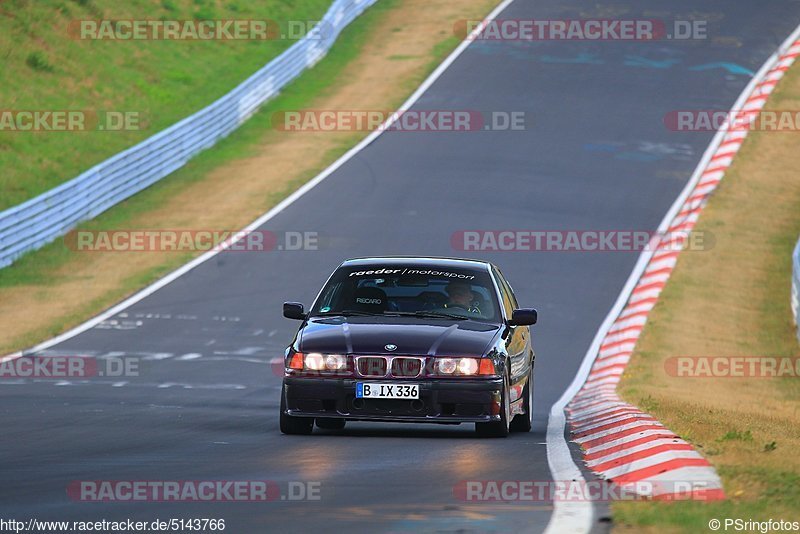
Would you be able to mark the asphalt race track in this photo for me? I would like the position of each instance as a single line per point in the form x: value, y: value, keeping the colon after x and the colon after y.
x: 595, y: 155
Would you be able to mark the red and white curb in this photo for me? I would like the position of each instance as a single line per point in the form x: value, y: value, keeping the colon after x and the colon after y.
x: 621, y: 443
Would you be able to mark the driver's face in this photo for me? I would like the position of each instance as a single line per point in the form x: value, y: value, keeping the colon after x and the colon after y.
x: 460, y: 295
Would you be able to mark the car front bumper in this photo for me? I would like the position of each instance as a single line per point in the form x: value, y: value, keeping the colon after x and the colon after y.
x: 440, y: 401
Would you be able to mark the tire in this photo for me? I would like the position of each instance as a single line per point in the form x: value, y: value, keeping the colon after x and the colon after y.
x: 497, y: 429
x: 522, y: 422
x: 330, y: 423
x: 294, y: 425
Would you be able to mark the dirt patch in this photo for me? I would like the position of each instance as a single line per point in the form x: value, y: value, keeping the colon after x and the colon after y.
x: 394, y: 61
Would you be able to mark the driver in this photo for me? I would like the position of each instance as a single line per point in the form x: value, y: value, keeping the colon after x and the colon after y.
x: 460, y: 294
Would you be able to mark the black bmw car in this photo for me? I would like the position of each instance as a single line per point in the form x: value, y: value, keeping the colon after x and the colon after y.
x: 422, y: 340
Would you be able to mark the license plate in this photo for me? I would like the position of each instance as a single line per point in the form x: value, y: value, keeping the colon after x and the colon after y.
x: 374, y: 390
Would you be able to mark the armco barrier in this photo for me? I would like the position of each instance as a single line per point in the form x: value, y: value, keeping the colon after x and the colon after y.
x: 40, y: 220
x: 796, y: 287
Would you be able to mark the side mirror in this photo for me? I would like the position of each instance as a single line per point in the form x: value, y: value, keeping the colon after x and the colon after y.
x: 294, y: 310
x: 523, y: 317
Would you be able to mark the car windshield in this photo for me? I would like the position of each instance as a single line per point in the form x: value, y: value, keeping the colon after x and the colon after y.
x: 401, y: 290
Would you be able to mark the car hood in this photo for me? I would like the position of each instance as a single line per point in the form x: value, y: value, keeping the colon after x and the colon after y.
x: 365, y: 335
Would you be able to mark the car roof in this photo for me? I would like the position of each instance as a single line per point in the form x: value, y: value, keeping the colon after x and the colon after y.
x: 419, y: 261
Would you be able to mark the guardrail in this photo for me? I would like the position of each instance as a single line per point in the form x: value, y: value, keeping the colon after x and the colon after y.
x: 796, y: 287
x: 42, y: 219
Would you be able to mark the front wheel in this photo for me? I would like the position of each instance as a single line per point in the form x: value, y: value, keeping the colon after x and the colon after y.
x: 497, y: 429
x: 294, y: 425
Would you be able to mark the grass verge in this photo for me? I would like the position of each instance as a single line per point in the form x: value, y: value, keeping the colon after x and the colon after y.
x: 161, y: 81
x: 375, y: 64
x: 732, y: 300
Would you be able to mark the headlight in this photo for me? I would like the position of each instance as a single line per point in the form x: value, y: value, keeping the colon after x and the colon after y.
x: 315, y: 361
x: 467, y: 366
x: 335, y: 362
x: 446, y: 366
x: 458, y: 366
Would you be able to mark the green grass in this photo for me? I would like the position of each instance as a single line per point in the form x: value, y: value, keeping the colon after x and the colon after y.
x: 733, y: 300
x: 736, y: 435
x: 37, y: 267
x: 43, y: 68
x: 782, y: 493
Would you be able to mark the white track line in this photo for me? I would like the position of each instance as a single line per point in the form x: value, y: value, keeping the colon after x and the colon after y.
x: 570, y: 516
x: 566, y: 515
x: 288, y: 201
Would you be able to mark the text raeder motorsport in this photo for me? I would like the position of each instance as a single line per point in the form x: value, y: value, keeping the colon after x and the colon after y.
x: 425, y: 272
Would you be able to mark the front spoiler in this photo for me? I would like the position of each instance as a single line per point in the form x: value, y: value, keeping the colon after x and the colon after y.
x: 446, y: 401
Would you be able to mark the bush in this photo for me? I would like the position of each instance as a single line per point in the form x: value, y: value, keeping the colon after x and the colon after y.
x: 37, y: 61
